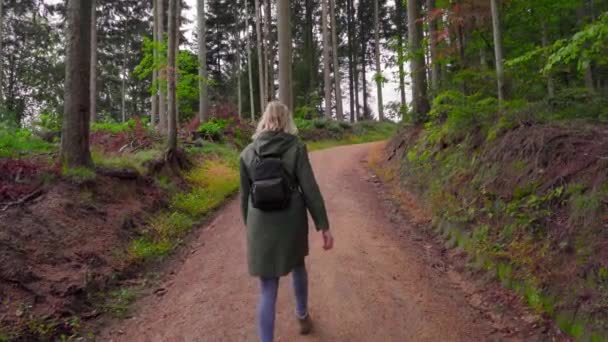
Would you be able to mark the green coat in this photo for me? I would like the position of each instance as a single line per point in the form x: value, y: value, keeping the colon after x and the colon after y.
x: 277, y: 241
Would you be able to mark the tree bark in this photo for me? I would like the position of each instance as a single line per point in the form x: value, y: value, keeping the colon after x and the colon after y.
x: 202, y: 61
x: 260, y: 49
x: 123, y: 89
x: 435, y: 67
x: 500, y: 74
x: 93, y: 61
x: 237, y: 52
x: 269, y: 51
x: 162, y: 74
x: 284, y: 29
x: 174, y: 12
x: 378, y: 66
x: 400, y: 47
x: 351, y: 67
x: 77, y: 112
x: 420, y: 102
x: 1, y: 55
x: 154, y: 96
x: 248, y: 37
x: 336, y: 62
x: 326, y: 58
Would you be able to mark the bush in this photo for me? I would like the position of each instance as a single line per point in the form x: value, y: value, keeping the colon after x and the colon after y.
x: 113, y: 126
x: 16, y: 143
x: 213, y: 129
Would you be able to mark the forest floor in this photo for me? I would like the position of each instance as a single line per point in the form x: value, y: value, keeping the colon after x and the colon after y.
x: 387, y: 278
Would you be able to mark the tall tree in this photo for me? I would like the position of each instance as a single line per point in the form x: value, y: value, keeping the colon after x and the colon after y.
x: 237, y: 53
x: 1, y: 60
x: 337, y: 78
x: 420, y: 102
x: 202, y: 61
x: 500, y: 73
x: 260, y: 49
x: 75, y: 130
x: 283, y: 28
x: 248, y: 38
x: 434, y: 64
x: 93, y: 61
x: 269, y: 51
x: 326, y: 58
x: 154, y: 96
x: 125, y: 71
x: 173, y: 35
x: 162, y: 96
x: 378, y: 76
x: 400, y: 49
x: 351, y: 66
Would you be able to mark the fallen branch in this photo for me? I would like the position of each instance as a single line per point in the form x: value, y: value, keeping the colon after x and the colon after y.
x: 22, y: 200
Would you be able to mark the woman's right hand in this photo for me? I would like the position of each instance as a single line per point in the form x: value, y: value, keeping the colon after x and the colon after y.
x: 328, y: 240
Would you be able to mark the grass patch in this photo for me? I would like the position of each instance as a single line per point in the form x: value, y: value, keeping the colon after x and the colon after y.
x: 212, y: 184
x: 79, y: 174
x: 144, y: 249
x: 17, y: 143
x: 132, y: 161
x: 119, y: 301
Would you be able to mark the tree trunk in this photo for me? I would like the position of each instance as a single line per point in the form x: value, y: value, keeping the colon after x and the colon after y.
x: 162, y: 96
x: 260, y: 49
x: 400, y: 47
x: 365, y: 113
x: 326, y: 58
x: 248, y: 37
x: 351, y: 66
x: 1, y: 55
x: 284, y: 29
x: 76, y: 115
x: 420, y: 102
x: 154, y: 96
x: 545, y: 42
x: 309, y: 51
x: 174, y: 12
x: 337, y: 77
x: 378, y: 67
x: 202, y: 61
x: 93, y: 61
x: 435, y: 76
x: 500, y: 74
x: 123, y: 88
x: 269, y: 51
x: 237, y: 52
x: 483, y: 63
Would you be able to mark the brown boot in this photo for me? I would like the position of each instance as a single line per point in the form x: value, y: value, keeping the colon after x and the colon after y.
x: 305, y: 325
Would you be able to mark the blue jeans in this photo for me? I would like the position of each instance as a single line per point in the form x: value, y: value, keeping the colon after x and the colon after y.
x: 268, y: 301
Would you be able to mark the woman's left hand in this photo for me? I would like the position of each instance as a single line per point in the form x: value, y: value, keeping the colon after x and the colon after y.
x: 328, y: 240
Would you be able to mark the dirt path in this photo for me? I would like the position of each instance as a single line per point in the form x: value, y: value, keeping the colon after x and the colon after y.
x: 374, y: 286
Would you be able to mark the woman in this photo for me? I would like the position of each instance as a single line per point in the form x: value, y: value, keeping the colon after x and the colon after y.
x: 277, y: 188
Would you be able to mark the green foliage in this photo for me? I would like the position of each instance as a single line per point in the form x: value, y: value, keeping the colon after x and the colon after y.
x: 20, y: 142
x: 586, y: 46
x: 212, y: 184
x: 132, y: 161
x: 144, y: 249
x: 79, y: 174
x: 213, y: 129
x: 119, y: 301
x: 113, y: 127
x: 49, y: 121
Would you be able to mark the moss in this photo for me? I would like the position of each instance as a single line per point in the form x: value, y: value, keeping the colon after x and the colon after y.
x: 145, y: 249
x: 78, y: 174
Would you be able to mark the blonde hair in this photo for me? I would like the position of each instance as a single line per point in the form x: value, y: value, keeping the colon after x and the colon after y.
x: 276, y: 118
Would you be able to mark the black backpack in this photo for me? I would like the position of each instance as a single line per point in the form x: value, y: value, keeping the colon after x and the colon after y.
x: 272, y: 185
